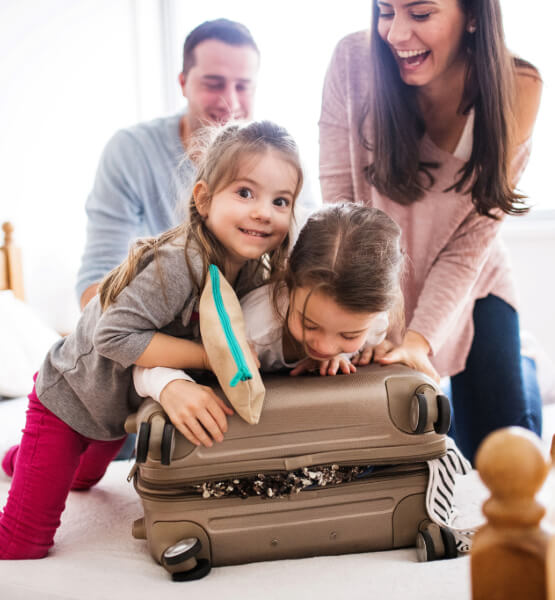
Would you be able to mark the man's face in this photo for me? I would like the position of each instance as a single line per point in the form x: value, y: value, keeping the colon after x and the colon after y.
x: 221, y: 84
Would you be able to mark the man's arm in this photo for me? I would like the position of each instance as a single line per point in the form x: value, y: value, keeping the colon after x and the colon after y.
x: 114, y: 212
x: 88, y: 295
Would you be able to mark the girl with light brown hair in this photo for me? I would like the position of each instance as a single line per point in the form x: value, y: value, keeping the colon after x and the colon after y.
x: 241, y: 211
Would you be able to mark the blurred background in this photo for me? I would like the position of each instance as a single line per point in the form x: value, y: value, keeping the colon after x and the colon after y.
x: 72, y: 72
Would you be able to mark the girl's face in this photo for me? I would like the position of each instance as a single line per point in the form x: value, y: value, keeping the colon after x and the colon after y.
x: 251, y: 215
x: 326, y: 328
x: 425, y: 38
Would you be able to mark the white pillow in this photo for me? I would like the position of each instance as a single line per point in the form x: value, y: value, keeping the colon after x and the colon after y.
x: 24, y: 342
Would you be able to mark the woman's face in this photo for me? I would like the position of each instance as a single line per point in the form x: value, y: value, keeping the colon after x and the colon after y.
x: 425, y: 37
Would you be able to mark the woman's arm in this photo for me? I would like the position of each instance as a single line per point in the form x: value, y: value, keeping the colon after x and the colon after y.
x: 528, y: 95
x: 451, y: 277
x: 335, y: 137
x: 460, y: 262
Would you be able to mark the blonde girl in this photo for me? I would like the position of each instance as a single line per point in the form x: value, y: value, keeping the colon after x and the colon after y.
x: 240, y: 216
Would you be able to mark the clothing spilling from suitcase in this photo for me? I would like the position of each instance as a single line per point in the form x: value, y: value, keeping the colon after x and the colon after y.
x: 335, y: 465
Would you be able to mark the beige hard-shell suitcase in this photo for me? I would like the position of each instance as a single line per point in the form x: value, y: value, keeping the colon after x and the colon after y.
x: 384, y: 421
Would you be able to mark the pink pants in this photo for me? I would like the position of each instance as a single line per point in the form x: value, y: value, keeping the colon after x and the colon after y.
x: 51, y: 460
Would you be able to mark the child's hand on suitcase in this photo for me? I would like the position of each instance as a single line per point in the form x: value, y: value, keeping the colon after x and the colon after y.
x: 325, y: 367
x: 196, y: 411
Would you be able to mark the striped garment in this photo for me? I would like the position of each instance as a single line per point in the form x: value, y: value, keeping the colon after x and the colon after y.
x: 440, y: 493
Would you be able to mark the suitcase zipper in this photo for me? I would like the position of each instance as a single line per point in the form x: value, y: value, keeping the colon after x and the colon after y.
x: 188, y: 492
x: 243, y: 372
x: 280, y: 467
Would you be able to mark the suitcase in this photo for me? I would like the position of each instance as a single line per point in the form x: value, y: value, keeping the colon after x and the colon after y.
x: 383, y: 423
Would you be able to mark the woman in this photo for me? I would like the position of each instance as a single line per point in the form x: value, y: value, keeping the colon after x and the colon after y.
x: 429, y: 118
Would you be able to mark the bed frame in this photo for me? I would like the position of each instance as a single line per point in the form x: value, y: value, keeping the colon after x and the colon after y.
x: 11, y: 270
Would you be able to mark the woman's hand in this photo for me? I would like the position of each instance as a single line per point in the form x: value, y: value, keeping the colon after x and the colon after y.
x: 367, y: 353
x: 325, y: 367
x: 413, y: 352
x: 196, y: 411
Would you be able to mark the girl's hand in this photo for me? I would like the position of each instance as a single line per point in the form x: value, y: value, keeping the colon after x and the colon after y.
x: 325, y: 367
x: 368, y: 354
x: 196, y: 411
x: 413, y: 352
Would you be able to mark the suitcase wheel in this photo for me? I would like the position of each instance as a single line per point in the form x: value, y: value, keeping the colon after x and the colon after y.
x: 443, y: 414
x: 168, y: 437
x: 201, y: 570
x: 435, y: 543
x: 181, y: 551
x: 449, y: 542
x: 425, y: 550
x: 418, y: 413
x: 143, y: 438
x: 182, y: 556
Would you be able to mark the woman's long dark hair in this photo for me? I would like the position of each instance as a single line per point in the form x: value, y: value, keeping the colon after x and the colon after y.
x: 397, y: 126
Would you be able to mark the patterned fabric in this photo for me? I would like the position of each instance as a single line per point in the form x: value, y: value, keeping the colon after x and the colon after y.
x: 440, y: 494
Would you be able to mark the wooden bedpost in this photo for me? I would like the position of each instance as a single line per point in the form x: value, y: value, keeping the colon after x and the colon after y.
x: 12, y: 266
x: 508, y: 557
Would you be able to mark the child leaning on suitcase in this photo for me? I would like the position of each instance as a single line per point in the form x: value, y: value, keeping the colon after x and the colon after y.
x: 330, y: 311
x: 240, y: 216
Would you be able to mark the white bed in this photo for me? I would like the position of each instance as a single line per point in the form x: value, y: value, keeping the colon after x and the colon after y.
x: 95, y: 557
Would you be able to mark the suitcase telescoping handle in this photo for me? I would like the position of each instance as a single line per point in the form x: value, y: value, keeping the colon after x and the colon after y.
x: 426, y: 408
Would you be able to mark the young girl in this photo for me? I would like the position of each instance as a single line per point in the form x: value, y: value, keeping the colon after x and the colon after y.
x: 331, y: 310
x: 240, y: 215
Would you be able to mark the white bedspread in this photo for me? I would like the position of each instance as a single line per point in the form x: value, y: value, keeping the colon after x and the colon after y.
x: 95, y: 557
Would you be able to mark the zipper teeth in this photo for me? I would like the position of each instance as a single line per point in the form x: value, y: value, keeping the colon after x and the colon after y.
x: 274, y: 471
x: 243, y: 372
x: 382, y: 474
x: 177, y: 493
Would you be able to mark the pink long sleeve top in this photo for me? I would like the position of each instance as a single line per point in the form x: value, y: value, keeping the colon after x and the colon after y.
x: 455, y: 256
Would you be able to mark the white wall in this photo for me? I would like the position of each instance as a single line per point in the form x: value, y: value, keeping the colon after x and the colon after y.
x: 531, y: 244
x: 71, y: 73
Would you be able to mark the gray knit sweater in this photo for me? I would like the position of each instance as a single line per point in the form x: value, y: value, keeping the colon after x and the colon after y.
x: 86, y: 377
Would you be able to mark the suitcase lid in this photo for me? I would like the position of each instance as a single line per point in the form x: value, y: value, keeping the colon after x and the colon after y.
x: 378, y: 415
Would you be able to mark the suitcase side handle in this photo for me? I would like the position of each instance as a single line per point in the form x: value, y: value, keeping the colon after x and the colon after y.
x: 429, y: 409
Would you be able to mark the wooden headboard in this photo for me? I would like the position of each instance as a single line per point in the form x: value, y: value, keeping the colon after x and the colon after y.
x: 11, y: 270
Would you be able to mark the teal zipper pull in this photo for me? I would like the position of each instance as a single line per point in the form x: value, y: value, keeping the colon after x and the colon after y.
x: 243, y: 371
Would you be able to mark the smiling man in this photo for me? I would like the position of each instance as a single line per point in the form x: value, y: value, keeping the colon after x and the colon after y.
x: 144, y: 169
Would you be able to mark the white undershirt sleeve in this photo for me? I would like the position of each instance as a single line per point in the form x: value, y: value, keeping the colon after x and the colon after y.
x: 151, y: 382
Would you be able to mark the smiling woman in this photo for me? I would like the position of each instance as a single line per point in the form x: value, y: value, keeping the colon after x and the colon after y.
x: 437, y: 43
x: 429, y: 118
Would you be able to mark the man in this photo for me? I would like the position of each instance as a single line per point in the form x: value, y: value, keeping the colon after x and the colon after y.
x: 143, y: 168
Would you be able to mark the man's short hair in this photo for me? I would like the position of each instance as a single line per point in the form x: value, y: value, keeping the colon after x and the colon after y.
x: 230, y: 32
